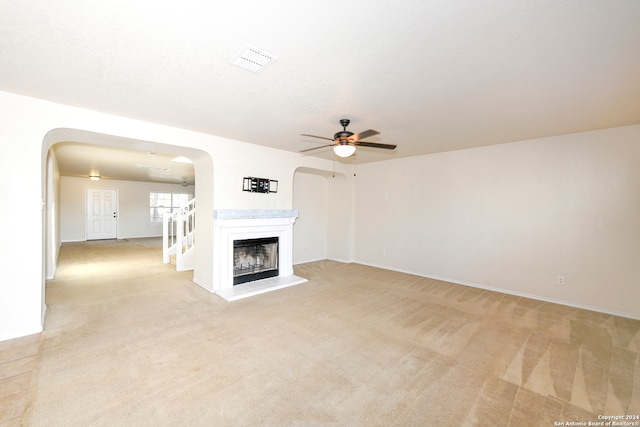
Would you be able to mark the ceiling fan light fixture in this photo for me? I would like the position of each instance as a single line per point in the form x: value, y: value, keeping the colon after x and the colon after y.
x: 344, y: 150
x: 344, y: 142
x: 181, y: 159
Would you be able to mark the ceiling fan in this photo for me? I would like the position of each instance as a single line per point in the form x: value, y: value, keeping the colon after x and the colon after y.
x: 345, y: 142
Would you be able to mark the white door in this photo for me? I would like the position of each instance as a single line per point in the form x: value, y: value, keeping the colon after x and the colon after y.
x: 102, y: 213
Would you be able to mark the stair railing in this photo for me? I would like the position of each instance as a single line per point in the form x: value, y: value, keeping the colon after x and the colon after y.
x: 178, y: 232
x: 188, y: 226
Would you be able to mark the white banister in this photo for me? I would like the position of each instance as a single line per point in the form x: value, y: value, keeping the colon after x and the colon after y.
x: 178, y: 236
x: 168, y: 236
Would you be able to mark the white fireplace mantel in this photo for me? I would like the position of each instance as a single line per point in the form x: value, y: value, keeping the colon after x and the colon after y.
x: 241, y: 224
x: 222, y: 214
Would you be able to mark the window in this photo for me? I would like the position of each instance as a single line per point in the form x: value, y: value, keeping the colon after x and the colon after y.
x: 159, y: 203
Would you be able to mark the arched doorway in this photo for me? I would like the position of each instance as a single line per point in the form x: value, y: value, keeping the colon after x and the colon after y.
x: 202, y: 165
x: 323, y: 228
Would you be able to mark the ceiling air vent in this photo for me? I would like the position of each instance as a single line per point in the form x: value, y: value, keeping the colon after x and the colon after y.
x: 252, y: 59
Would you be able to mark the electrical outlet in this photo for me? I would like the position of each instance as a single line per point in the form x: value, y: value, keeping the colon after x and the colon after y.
x: 560, y: 280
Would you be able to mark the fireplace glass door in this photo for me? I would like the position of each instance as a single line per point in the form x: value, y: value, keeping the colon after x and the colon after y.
x: 254, y: 259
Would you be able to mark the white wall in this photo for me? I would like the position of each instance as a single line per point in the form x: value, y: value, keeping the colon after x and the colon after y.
x: 133, y: 206
x: 513, y: 217
x: 52, y: 195
x: 30, y: 127
x: 311, y: 199
x: 324, y: 227
x: 340, y: 217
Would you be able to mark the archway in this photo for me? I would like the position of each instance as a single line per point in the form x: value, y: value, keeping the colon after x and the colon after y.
x: 323, y: 229
x: 203, y: 168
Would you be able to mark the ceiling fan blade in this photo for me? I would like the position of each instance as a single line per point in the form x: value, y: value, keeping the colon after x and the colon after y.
x: 365, y: 134
x: 315, y: 136
x: 376, y: 145
x: 315, y: 148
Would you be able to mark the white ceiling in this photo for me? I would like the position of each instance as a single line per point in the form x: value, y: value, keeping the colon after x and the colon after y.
x: 82, y: 160
x: 429, y: 75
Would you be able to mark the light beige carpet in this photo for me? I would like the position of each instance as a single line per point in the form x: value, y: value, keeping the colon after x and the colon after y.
x: 130, y: 342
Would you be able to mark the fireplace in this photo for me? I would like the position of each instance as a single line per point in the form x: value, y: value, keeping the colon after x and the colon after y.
x: 254, y: 259
x: 232, y: 229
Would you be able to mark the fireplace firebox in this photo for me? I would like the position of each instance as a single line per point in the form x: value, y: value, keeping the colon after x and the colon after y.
x: 255, y: 259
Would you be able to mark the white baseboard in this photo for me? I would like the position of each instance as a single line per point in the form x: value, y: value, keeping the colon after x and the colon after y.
x: 117, y: 238
x: 20, y: 334
x: 340, y: 260
x: 43, y: 316
x: 307, y: 261
x: 507, y: 291
x: 202, y: 286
